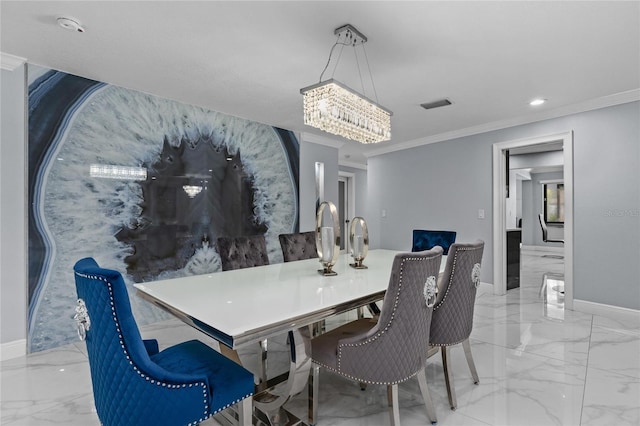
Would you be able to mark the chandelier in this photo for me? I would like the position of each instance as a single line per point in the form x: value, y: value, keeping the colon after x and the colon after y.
x: 192, y: 190
x: 335, y: 108
x: 109, y: 171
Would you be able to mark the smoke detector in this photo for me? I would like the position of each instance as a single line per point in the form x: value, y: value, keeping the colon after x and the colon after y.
x: 70, y: 24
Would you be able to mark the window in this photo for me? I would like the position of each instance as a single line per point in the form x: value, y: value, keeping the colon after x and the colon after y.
x: 553, y: 202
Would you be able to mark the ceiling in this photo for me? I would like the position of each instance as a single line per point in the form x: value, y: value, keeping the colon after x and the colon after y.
x: 250, y: 59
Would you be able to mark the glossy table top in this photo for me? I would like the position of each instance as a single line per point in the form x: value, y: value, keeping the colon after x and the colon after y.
x: 248, y: 305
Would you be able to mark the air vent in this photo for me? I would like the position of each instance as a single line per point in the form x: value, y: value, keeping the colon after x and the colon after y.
x: 436, y: 104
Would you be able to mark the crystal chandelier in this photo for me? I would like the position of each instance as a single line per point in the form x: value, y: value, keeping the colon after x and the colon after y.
x: 335, y: 108
x: 192, y: 190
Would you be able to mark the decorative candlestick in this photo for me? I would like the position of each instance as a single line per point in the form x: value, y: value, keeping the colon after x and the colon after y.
x: 327, y: 239
x: 359, y: 243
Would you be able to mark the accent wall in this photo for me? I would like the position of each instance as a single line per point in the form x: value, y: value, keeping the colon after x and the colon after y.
x: 145, y: 185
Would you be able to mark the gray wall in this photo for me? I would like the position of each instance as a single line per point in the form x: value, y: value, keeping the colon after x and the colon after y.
x: 13, y: 250
x: 443, y: 185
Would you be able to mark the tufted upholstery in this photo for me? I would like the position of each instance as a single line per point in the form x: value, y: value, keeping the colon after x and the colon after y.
x: 393, y: 348
x: 298, y: 246
x: 242, y: 252
x: 426, y: 240
x: 134, y: 383
x: 452, y: 319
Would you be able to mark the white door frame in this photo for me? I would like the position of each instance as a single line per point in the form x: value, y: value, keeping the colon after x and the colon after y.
x: 499, y: 211
x: 349, y: 209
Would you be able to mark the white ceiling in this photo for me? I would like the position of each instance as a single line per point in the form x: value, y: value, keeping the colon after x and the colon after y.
x: 250, y: 59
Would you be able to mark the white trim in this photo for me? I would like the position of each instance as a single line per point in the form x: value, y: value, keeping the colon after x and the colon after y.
x: 499, y: 210
x: 609, y: 311
x: 14, y: 349
x: 353, y: 165
x: 592, y: 104
x: 321, y: 140
x: 10, y: 62
x: 349, y: 180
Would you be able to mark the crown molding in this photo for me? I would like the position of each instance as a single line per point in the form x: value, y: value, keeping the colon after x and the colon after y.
x: 321, y: 140
x: 353, y: 165
x: 10, y: 62
x: 589, y: 105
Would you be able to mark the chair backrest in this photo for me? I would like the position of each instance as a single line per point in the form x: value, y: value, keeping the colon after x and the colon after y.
x: 242, y: 252
x: 395, y: 349
x: 452, y: 319
x: 298, y: 246
x: 543, y: 226
x: 128, y: 387
x: 426, y: 240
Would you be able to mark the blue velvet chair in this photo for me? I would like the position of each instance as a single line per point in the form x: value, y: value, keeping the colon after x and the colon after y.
x: 426, y: 240
x: 136, y: 384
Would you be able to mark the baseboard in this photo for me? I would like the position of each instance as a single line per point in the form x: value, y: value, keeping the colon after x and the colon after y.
x: 608, y: 311
x: 14, y: 349
x: 542, y: 249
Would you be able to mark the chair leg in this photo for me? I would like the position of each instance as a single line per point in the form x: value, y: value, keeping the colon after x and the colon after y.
x: 448, y: 378
x: 472, y: 366
x: 426, y: 396
x: 262, y: 360
x: 245, y: 412
x: 313, y: 386
x: 318, y: 328
x: 392, y: 393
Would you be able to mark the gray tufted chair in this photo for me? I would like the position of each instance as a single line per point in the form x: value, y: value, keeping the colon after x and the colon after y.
x: 393, y: 348
x: 298, y: 246
x: 242, y: 252
x: 452, y: 319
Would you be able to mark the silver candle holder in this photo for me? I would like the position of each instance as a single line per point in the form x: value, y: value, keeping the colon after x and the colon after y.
x: 327, y: 239
x: 359, y: 242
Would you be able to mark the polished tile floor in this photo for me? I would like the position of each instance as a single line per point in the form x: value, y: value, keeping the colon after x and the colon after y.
x: 538, y: 365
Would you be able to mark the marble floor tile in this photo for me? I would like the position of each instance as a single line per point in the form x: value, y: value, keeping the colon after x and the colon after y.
x: 611, y: 399
x: 538, y: 365
x: 616, y: 352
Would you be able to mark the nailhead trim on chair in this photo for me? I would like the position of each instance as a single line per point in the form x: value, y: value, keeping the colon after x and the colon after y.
x: 453, y: 268
x: 378, y: 334
x: 135, y: 368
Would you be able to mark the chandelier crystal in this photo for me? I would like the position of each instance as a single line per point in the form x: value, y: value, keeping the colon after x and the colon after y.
x: 335, y: 108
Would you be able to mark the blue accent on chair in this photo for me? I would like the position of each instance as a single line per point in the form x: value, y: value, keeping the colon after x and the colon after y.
x: 134, y: 383
x: 426, y: 240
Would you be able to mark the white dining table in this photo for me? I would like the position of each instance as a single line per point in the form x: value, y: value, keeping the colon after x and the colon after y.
x: 251, y: 305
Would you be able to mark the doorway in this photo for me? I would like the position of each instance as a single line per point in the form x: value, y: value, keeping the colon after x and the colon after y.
x: 500, y: 182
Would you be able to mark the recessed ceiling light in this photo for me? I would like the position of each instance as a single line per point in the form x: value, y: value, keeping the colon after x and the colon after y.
x: 537, y: 102
x: 70, y: 24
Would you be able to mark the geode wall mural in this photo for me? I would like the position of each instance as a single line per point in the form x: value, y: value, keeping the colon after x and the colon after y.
x: 144, y: 185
